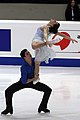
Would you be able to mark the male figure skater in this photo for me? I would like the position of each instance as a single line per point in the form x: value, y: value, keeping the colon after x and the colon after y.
x: 26, y: 81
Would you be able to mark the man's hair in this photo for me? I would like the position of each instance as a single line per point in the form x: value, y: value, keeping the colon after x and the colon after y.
x: 54, y: 29
x: 22, y: 53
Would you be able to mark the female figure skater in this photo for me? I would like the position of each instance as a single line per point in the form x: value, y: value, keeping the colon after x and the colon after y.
x: 42, y: 46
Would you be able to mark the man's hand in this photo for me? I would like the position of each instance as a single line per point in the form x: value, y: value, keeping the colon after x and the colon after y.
x: 36, y: 79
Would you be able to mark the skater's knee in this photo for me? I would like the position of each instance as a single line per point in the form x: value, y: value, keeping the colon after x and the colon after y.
x: 7, y: 91
x: 34, y: 45
x: 49, y: 90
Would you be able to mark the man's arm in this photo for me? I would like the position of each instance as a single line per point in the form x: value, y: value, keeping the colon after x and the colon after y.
x: 33, y: 79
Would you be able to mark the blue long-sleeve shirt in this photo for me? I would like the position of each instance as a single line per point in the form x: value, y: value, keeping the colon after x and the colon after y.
x: 27, y: 71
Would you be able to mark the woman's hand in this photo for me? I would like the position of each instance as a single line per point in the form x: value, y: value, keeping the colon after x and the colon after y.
x: 48, y: 43
x: 73, y: 40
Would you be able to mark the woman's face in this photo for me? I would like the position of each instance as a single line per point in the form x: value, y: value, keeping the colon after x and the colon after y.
x: 52, y: 22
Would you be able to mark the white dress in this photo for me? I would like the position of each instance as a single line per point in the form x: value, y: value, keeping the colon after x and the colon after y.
x: 44, y: 53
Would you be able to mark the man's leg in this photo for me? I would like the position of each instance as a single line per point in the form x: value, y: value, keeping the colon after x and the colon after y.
x: 47, y: 91
x: 8, y: 96
x: 17, y: 86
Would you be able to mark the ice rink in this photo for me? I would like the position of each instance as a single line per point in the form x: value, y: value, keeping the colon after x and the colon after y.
x: 64, y: 102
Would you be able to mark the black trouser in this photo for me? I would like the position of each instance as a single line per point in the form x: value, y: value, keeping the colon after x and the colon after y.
x: 18, y: 86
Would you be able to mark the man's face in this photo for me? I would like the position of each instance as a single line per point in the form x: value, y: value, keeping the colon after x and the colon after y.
x: 28, y: 55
